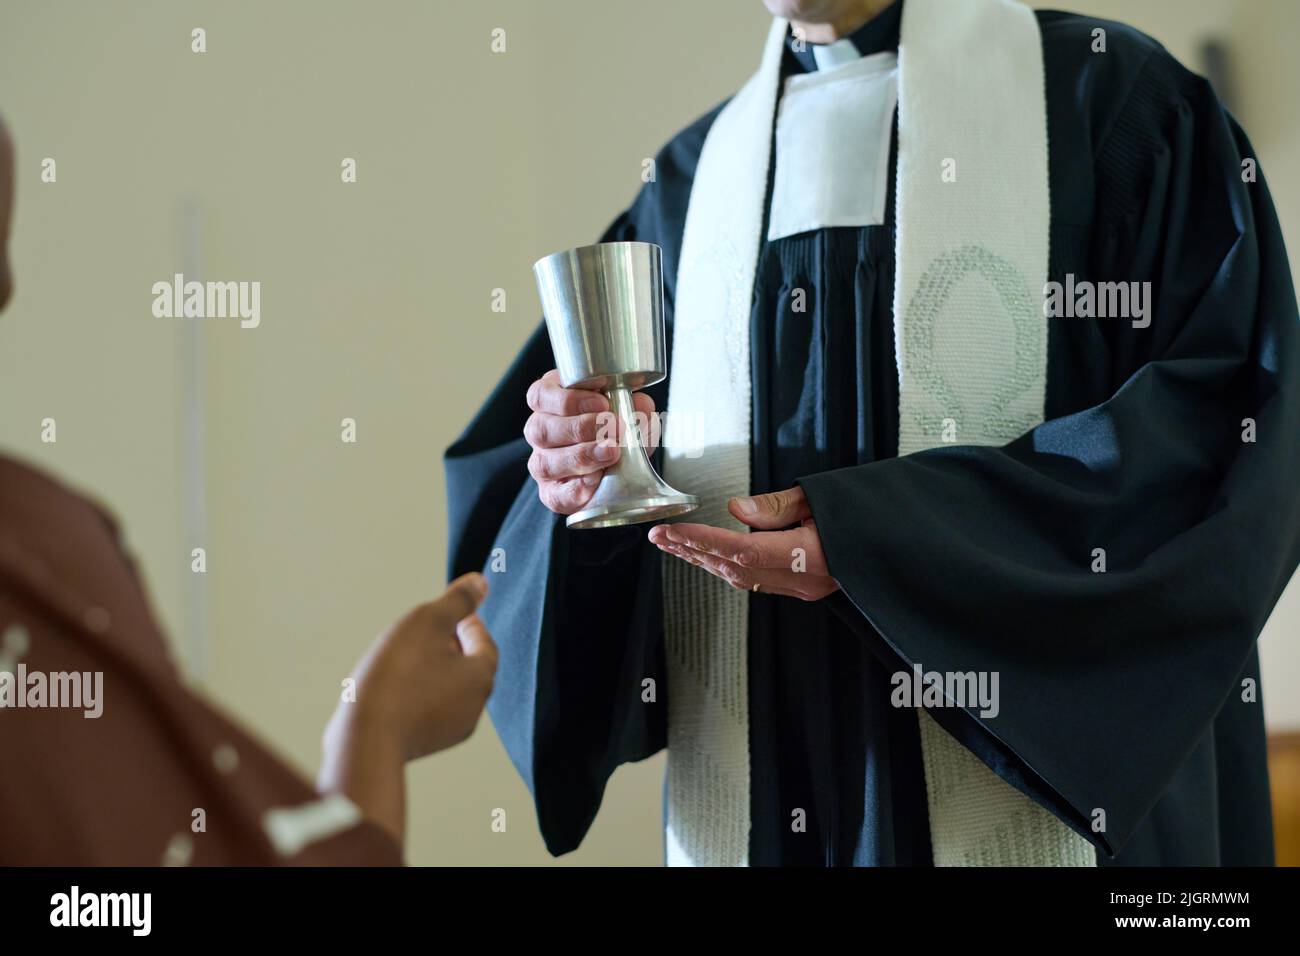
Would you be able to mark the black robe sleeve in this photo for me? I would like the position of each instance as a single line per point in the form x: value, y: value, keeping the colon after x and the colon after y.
x: 576, y: 615
x: 983, y: 558
x: 572, y: 614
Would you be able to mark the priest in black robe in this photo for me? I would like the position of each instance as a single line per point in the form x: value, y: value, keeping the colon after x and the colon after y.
x: 1130, y: 690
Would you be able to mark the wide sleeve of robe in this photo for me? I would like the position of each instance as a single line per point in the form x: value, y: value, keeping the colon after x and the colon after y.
x: 576, y: 615
x: 1182, y: 476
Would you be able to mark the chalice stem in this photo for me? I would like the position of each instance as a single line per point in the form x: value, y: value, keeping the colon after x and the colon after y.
x: 633, y: 467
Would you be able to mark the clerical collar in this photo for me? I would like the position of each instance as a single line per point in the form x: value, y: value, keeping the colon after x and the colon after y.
x: 877, y: 34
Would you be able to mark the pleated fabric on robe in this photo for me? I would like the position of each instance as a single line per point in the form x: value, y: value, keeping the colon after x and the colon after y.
x: 1121, y: 691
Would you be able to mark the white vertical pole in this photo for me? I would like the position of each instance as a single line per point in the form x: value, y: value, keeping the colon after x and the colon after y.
x: 193, y: 448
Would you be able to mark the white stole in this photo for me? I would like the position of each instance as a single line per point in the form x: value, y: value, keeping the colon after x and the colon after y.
x: 972, y: 204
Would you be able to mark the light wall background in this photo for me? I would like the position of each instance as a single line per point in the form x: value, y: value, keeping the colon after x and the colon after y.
x: 375, y: 303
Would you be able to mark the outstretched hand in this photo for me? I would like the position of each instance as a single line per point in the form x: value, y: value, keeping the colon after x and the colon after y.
x: 788, y: 562
x: 420, y: 688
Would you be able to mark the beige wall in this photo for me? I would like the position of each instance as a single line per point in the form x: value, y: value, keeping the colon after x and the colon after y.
x: 375, y: 304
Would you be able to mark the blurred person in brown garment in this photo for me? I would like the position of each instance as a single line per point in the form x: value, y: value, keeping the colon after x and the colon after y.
x: 107, y: 758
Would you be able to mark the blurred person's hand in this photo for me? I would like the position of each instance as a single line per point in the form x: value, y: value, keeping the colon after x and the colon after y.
x: 572, y: 440
x: 420, y: 688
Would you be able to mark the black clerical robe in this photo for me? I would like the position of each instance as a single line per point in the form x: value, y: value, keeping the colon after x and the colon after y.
x: 1172, y: 448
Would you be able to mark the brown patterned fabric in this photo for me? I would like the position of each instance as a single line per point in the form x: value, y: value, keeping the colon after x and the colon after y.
x: 123, y: 788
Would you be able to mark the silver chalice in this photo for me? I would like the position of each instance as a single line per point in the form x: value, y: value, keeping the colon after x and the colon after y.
x: 605, y: 317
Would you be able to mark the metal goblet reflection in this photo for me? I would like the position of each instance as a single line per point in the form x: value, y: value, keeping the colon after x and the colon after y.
x: 604, y: 314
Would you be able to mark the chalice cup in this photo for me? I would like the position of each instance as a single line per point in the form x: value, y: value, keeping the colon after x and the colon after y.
x: 604, y: 308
